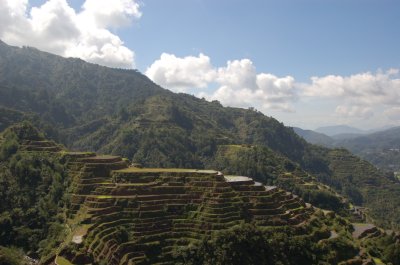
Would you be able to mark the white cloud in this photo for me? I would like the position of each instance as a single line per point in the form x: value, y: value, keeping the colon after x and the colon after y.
x: 393, y: 113
x: 106, y: 13
x: 359, y: 94
x: 354, y: 111
x: 354, y: 98
x: 180, y: 74
x: 244, y: 88
x: 277, y: 92
x: 238, y: 83
x: 56, y: 27
x: 239, y: 74
x: 365, y: 88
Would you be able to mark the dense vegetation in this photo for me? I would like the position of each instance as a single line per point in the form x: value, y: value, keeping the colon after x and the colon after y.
x: 12, y: 256
x: 32, y: 187
x: 248, y: 244
x: 95, y: 108
x: 365, y: 185
x: 267, y: 167
x: 274, y: 246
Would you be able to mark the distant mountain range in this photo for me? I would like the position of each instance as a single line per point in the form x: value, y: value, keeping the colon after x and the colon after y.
x: 338, y: 129
x: 314, y: 137
x: 381, y: 147
x: 346, y: 131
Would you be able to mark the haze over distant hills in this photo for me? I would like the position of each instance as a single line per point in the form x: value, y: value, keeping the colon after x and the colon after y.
x: 378, y: 146
x: 314, y: 137
x: 341, y: 131
x: 338, y: 129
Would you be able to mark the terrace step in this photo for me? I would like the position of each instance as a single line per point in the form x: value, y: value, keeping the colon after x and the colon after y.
x: 175, y: 205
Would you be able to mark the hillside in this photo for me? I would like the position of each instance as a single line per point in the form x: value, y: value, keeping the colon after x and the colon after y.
x: 104, y: 212
x: 381, y: 148
x: 338, y: 130
x: 87, y: 106
x: 314, y: 137
x: 121, y: 112
x: 78, y: 91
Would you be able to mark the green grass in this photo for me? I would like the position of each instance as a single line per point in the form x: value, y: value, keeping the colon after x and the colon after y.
x: 62, y: 261
x: 163, y: 170
x: 82, y: 229
x: 104, y: 196
x: 378, y: 261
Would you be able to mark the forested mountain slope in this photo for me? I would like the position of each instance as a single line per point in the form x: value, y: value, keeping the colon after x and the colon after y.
x: 122, y: 112
x: 88, y: 99
x: 62, y: 207
x: 381, y: 148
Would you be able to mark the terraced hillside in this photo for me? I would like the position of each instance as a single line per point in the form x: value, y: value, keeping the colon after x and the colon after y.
x: 122, y: 112
x: 267, y: 167
x: 366, y: 186
x: 84, y: 208
x: 129, y: 215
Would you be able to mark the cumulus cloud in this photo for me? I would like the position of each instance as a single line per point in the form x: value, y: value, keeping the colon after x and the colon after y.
x: 358, y: 97
x: 56, y: 27
x: 106, y: 13
x: 238, y: 83
x: 359, y: 93
x: 242, y: 86
x: 365, y: 88
x: 238, y: 74
x: 180, y: 74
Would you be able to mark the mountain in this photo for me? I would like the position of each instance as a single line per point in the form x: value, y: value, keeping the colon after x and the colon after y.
x: 388, y: 139
x: 338, y: 129
x: 314, y: 137
x: 380, y: 148
x: 70, y: 89
x: 81, y: 208
x: 123, y: 113
x: 96, y: 108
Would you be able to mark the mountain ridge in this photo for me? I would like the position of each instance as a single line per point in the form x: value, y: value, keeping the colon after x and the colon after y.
x: 338, y: 129
x: 381, y: 148
x: 122, y: 112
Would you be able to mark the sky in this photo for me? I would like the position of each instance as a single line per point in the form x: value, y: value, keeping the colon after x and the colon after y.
x: 307, y: 63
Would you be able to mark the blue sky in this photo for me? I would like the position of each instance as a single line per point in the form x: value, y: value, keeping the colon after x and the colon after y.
x: 308, y: 63
x: 299, y: 38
